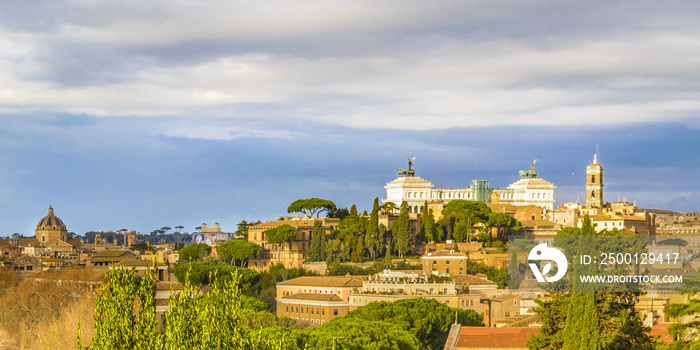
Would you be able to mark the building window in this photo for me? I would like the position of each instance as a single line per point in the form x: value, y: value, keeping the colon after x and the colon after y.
x: 461, y: 270
x: 507, y: 314
x: 312, y: 311
x: 323, y: 312
x: 461, y: 262
x: 335, y: 312
x: 447, y: 270
x: 448, y: 262
x: 434, y: 262
x: 287, y: 308
x: 515, y: 303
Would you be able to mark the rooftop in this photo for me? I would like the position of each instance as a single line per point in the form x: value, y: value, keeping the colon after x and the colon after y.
x: 323, y: 281
x: 314, y: 296
x: 472, y: 280
x: 495, y: 338
x: 111, y: 253
x: 444, y: 253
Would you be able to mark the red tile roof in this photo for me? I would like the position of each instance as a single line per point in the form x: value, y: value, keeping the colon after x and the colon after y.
x: 661, y: 329
x: 495, y: 338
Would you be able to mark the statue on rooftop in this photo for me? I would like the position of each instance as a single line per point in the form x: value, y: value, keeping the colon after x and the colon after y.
x: 530, y: 174
x: 408, y: 172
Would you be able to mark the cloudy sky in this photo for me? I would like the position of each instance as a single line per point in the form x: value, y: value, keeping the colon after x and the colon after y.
x: 142, y: 114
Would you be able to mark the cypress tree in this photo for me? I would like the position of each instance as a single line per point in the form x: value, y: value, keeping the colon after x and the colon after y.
x: 353, y: 210
x: 403, y: 230
x: 314, y: 252
x: 372, y: 234
x: 582, y: 328
x: 383, y: 243
x: 323, y: 250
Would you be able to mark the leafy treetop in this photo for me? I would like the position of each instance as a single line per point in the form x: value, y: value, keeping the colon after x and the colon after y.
x: 237, y: 249
x: 311, y: 206
x: 281, y: 234
x: 195, y: 251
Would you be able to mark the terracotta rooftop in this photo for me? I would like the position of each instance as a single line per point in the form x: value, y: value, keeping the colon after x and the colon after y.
x: 504, y: 297
x: 5, y: 242
x: 323, y: 281
x: 661, y: 329
x: 444, y: 253
x: 314, y: 296
x: 502, y: 208
x: 532, y: 223
x: 495, y: 338
x: 472, y: 280
x: 112, y: 254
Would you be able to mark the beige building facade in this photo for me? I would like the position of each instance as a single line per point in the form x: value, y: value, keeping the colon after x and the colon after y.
x: 444, y: 262
x: 291, y: 254
x: 316, y: 299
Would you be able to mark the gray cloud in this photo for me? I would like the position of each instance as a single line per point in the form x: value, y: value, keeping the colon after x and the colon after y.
x: 406, y: 65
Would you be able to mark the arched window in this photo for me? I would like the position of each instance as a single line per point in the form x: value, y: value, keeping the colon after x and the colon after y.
x: 593, y: 178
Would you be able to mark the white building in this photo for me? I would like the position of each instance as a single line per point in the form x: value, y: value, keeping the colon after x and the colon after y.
x: 209, y: 235
x: 529, y: 190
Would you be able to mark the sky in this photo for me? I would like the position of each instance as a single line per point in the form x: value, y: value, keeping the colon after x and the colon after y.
x: 143, y: 114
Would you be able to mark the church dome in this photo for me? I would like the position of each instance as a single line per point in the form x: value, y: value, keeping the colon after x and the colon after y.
x: 51, y: 221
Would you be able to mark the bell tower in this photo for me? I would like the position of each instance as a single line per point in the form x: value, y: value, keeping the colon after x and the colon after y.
x: 594, y: 184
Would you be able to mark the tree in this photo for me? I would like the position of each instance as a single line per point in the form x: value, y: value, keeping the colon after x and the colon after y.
x: 118, y: 324
x: 582, y: 327
x: 316, y: 247
x: 383, y: 241
x: 243, y: 227
x: 690, y: 311
x: 584, y: 319
x: 125, y: 316
x: 505, y: 225
x: 428, y: 223
x: 403, y: 232
x: 311, y: 206
x: 280, y: 234
x: 466, y: 214
x: 141, y: 247
x: 358, y: 333
x: 201, y: 273
x: 427, y: 319
x: 238, y: 249
x: 389, y: 207
x: 353, y: 210
x: 372, y: 233
x: 195, y: 251
x: 446, y: 226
